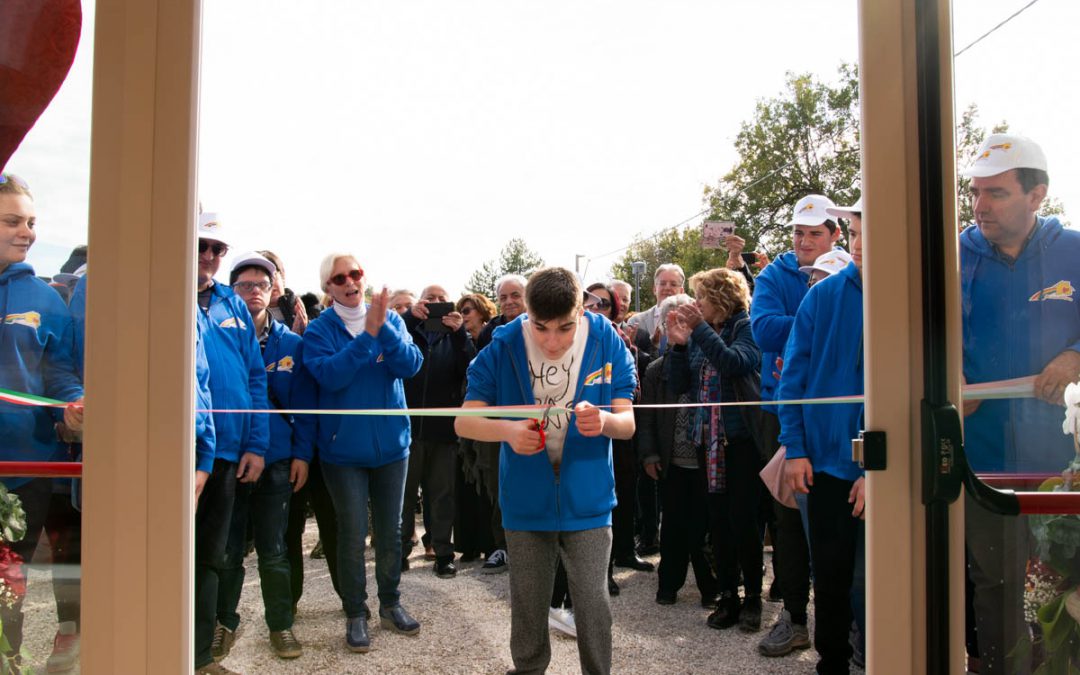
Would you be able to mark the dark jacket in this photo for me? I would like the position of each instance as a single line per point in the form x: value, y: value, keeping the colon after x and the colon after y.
x: 439, y: 384
x: 656, y: 426
x: 484, y: 339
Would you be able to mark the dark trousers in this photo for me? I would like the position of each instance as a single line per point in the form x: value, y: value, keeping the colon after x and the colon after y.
x: 685, y: 499
x: 212, y: 519
x: 998, y: 548
x: 350, y: 488
x: 265, y: 504
x: 35, y: 497
x: 314, y: 491
x: 63, y: 527
x: 489, y: 477
x: 472, y: 515
x: 791, y: 552
x: 733, y: 520
x: 622, y: 517
x: 648, y: 510
x: 432, y: 467
x: 834, y: 535
x: 560, y: 593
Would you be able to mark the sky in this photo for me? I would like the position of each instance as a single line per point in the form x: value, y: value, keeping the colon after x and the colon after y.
x: 423, y: 135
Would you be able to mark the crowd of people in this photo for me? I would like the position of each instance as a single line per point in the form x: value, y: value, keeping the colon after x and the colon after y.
x: 643, y: 433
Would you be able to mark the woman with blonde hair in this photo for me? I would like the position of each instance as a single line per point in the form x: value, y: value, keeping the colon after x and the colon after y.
x: 714, y: 359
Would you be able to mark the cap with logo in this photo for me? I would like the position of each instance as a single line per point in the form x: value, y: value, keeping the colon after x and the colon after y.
x: 253, y: 258
x: 812, y: 210
x: 210, y: 227
x: 1001, y: 152
x: 829, y: 263
x: 847, y: 211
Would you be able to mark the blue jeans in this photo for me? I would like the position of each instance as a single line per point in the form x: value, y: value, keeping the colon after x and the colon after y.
x: 349, y: 488
x: 266, y: 504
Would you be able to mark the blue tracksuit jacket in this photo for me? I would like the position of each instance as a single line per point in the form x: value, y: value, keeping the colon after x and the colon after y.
x: 290, y: 385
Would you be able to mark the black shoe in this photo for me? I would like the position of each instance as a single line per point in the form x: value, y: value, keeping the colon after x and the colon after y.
x: 727, y: 612
x: 665, y: 597
x: 356, y: 635
x: 709, y: 601
x: 444, y: 568
x: 647, y: 549
x: 774, y: 592
x: 612, y: 587
x: 398, y: 620
x: 750, y: 615
x: 634, y: 563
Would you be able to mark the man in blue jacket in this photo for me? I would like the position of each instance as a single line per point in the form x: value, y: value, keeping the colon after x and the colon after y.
x: 556, y: 482
x: 266, y: 502
x: 1021, y: 317
x: 237, y: 382
x: 778, y: 291
x: 824, y: 358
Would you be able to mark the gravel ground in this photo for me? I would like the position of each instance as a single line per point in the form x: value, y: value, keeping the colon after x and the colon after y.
x: 466, y: 628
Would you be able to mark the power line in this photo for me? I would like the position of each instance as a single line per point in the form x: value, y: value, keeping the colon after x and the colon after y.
x: 987, y: 33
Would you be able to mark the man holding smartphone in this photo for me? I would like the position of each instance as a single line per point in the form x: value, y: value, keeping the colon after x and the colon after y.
x: 440, y: 333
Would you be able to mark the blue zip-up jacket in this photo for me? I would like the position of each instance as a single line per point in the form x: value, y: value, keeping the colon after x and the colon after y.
x: 361, y: 372
x: 290, y: 385
x: 36, y: 357
x: 237, y: 375
x: 777, y: 293
x: 531, y: 496
x: 204, y: 421
x: 824, y: 357
x: 1017, y: 316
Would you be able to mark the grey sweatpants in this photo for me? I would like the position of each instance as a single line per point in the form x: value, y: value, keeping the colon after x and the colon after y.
x: 533, y: 558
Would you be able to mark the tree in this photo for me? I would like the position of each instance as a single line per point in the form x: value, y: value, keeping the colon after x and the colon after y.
x: 805, y: 141
x: 515, y: 258
x: 671, y: 245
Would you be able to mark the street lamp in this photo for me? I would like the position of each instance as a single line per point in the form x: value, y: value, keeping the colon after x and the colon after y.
x: 577, y: 261
x: 638, y: 270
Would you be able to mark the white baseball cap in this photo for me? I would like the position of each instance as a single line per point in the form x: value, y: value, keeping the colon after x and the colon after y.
x: 210, y: 227
x: 847, y: 211
x: 812, y: 210
x: 1002, y: 152
x: 253, y: 258
x: 830, y: 263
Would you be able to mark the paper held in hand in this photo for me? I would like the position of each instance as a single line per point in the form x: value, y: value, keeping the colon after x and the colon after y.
x: 714, y: 233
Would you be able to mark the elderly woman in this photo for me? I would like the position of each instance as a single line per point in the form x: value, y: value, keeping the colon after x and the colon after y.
x: 713, y: 358
x: 670, y: 456
x: 359, y: 355
x: 477, y: 310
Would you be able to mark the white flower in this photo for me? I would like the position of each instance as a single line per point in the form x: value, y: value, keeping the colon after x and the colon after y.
x: 1072, y: 410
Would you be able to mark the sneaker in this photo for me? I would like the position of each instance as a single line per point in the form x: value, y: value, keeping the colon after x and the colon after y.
x: 317, y: 552
x: 750, y: 615
x: 562, y: 620
x: 445, y: 568
x: 727, y: 612
x: 858, y: 659
x: 223, y: 642
x: 497, y: 563
x: 784, y: 637
x: 65, y: 650
x: 285, y: 644
x: 214, y: 668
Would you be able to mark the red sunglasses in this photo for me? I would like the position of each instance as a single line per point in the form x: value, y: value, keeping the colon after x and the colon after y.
x: 339, y: 279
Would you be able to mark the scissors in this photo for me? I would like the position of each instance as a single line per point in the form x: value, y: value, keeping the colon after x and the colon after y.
x: 541, y: 424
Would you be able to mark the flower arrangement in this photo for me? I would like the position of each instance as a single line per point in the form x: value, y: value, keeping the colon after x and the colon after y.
x: 12, y: 580
x: 1052, y: 591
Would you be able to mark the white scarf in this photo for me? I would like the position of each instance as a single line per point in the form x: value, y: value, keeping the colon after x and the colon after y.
x: 352, y: 317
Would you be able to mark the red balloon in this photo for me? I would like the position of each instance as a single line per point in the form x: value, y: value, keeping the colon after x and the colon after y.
x: 38, y: 40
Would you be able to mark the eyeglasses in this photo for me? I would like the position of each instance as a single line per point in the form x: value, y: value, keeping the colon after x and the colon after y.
x: 248, y: 286
x: 339, y: 279
x: 466, y: 311
x: 5, y: 177
x: 217, y: 248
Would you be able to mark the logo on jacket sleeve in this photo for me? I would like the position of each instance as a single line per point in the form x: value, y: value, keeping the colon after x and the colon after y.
x: 1062, y: 290
x: 28, y: 319
x: 233, y: 322
x: 599, y: 376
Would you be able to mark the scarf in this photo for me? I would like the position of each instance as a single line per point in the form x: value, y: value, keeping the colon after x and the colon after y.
x: 352, y: 317
x: 708, y: 429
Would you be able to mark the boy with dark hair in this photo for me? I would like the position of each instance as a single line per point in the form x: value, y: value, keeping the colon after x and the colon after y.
x: 557, y: 485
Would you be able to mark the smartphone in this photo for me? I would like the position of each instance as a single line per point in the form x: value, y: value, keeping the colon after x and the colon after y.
x: 436, y: 311
x: 749, y: 258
